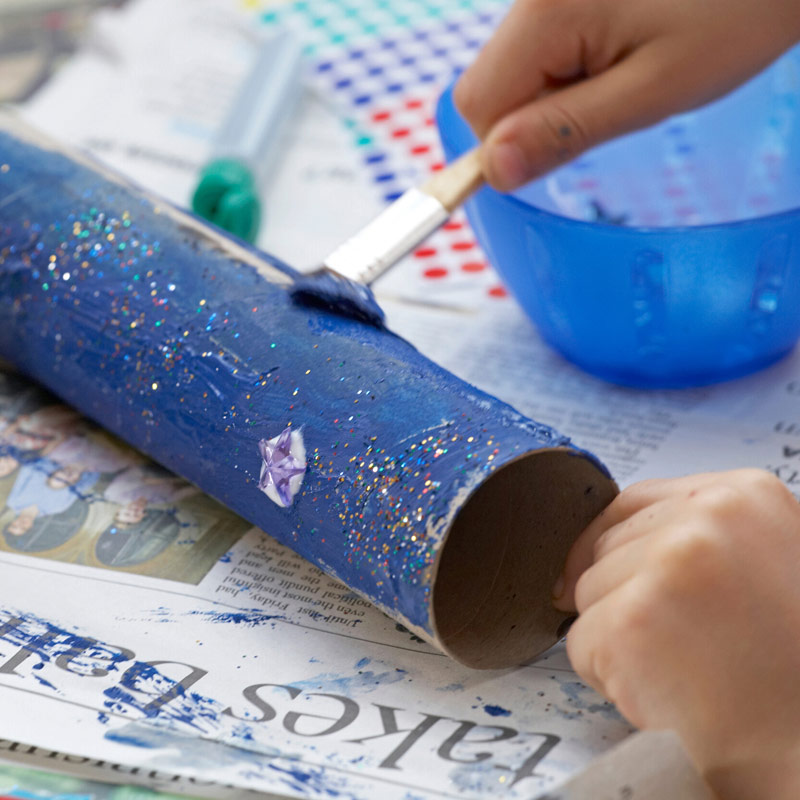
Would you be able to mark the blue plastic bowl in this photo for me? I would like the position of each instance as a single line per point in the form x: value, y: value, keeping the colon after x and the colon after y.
x: 667, y: 258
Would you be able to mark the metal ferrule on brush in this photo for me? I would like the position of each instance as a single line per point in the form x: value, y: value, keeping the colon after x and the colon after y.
x: 389, y: 237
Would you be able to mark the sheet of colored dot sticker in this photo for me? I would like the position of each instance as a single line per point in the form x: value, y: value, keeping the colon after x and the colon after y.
x: 382, y: 66
x: 449, y: 269
x: 328, y: 25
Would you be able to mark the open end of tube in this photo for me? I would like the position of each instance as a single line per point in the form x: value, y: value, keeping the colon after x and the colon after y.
x: 492, y: 594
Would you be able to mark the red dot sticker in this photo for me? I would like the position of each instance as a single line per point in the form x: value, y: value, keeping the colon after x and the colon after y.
x: 473, y: 266
x: 498, y: 291
x: 381, y: 116
x: 435, y: 273
x: 453, y: 225
x: 463, y: 245
x: 425, y: 252
x: 420, y: 150
x: 413, y: 103
x: 400, y: 133
x: 436, y: 167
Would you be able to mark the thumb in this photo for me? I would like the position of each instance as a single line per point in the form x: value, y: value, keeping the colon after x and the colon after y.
x: 557, y: 127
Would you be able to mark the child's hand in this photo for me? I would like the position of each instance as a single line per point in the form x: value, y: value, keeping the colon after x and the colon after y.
x: 689, y: 599
x: 560, y: 76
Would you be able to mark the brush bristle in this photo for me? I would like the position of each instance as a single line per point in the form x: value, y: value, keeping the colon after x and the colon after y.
x: 325, y: 289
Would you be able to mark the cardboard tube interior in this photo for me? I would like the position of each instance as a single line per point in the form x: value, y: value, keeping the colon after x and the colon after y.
x: 492, y: 604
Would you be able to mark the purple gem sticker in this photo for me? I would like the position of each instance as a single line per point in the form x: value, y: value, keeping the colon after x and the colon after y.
x: 283, y: 465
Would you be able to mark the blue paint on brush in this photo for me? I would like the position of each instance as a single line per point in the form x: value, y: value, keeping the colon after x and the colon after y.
x: 332, y: 292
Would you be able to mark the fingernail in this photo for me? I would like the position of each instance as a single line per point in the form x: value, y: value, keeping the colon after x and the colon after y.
x: 558, y: 588
x: 509, y: 165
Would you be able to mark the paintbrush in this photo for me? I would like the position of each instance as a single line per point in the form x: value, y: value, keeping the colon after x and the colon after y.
x: 342, y: 283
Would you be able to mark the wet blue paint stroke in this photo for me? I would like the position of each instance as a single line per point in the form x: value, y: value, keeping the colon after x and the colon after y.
x: 40, y: 679
x: 254, y: 762
x: 189, y: 722
x: 47, y: 642
x: 139, y: 684
x: 246, y: 617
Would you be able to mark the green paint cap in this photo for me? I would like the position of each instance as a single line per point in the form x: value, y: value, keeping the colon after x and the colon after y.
x: 227, y: 193
x: 227, y: 196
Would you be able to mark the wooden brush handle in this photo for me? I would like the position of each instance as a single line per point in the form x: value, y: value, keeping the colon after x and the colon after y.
x: 456, y: 182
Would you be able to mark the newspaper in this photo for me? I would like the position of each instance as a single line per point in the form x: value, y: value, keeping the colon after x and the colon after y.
x: 750, y: 422
x: 195, y: 647
x: 144, y: 625
x: 148, y: 635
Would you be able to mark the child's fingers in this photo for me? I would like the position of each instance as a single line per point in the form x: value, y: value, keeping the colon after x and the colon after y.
x: 492, y: 86
x: 612, y: 571
x: 616, y: 554
x: 537, y: 43
x: 604, y: 529
x: 623, y: 521
x: 587, y: 640
x: 559, y: 126
x: 624, y: 647
x: 654, y: 537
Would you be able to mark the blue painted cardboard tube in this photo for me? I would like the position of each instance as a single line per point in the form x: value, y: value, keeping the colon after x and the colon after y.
x: 444, y: 506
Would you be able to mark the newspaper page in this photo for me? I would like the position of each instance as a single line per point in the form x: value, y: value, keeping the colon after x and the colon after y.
x: 146, y: 627
x: 142, y: 624
x: 148, y: 635
x: 639, y: 434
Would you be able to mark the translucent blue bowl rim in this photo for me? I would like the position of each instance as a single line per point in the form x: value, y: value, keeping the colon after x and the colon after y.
x: 622, y: 230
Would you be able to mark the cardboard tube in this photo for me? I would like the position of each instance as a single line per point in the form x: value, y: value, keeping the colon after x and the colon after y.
x: 444, y: 506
